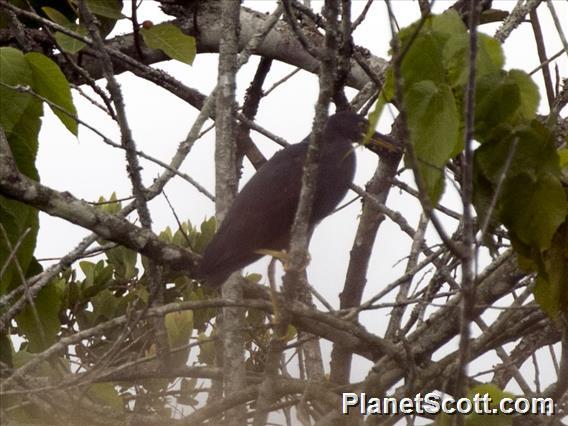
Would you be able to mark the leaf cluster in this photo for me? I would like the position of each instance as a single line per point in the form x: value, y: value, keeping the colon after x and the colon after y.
x: 517, y: 170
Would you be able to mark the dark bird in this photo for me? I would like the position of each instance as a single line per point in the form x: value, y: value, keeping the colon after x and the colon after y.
x: 262, y: 214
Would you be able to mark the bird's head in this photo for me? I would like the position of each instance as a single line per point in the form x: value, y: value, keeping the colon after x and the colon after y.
x: 353, y: 127
x: 348, y: 126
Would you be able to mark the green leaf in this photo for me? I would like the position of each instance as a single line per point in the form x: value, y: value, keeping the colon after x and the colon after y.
x: 207, y: 229
x: 433, y: 121
x: 111, y: 206
x: 172, y: 41
x: 103, y: 278
x: 528, y: 90
x: 206, y: 349
x: 142, y: 293
x: 551, y: 290
x: 105, y: 305
x: 22, y: 357
x: 253, y: 278
x: 47, y: 304
x: 534, y: 154
x: 97, y: 277
x: 23, y: 139
x: 563, y: 156
x: 497, y: 98
x: 182, y: 236
x: 456, y: 57
x: 20, y: 117
x: 14, y: 71
x: 107, y: 394
x: 533, y: 202
x: 375, y: 115
x: 483, y: 193
x: 179, y: 326
x: 200, y: 316
x: 490, y: 58
x: 490, y: 55
x: 16, y: 218
x: 107, y: 8
x: 71, y: 44
x: 7, y: 350
x: 534, y: 209
x: 56, y: 16
x: 14, y: 412
x: 441, y: 26
x: 49, y: 82
x: 88, y: 269
x: 108, y: 13
x: 448, y: 23
x: 123, y: 261
x: 494, y: 395
x: 64, y: 7
x: 291, y: 333
x: 509, y: 98
x: 424, y: 61
x: 166, y: 235
x: 486, y: 397
x: 388, y: 89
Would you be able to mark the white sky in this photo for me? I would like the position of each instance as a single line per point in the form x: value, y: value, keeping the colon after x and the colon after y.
x: 159, y: 121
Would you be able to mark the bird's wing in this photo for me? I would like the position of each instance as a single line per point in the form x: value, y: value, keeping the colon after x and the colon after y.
x: 261, y: 215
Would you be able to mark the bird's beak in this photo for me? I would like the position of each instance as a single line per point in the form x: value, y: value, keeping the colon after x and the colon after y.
x: 380, y: 144
x: 384, y: 145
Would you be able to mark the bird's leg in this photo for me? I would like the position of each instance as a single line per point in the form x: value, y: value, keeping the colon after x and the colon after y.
x: 283, y: 257
x: 282, y: 331
x: 273, y: 291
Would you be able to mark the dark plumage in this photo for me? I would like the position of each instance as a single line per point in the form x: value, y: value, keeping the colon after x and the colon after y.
x: 262, y: 214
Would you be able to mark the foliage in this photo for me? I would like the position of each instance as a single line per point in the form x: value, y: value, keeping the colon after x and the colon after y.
x: 99, y: 291
x: 532, y: 203
x: 21, y: 121
x: 169, y: 39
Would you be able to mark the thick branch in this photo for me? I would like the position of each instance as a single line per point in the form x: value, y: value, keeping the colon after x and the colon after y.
x: 17, y: 186
x: 280, y: 45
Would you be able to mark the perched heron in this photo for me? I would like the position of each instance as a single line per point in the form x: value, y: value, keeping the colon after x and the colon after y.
x: 262, y: 214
